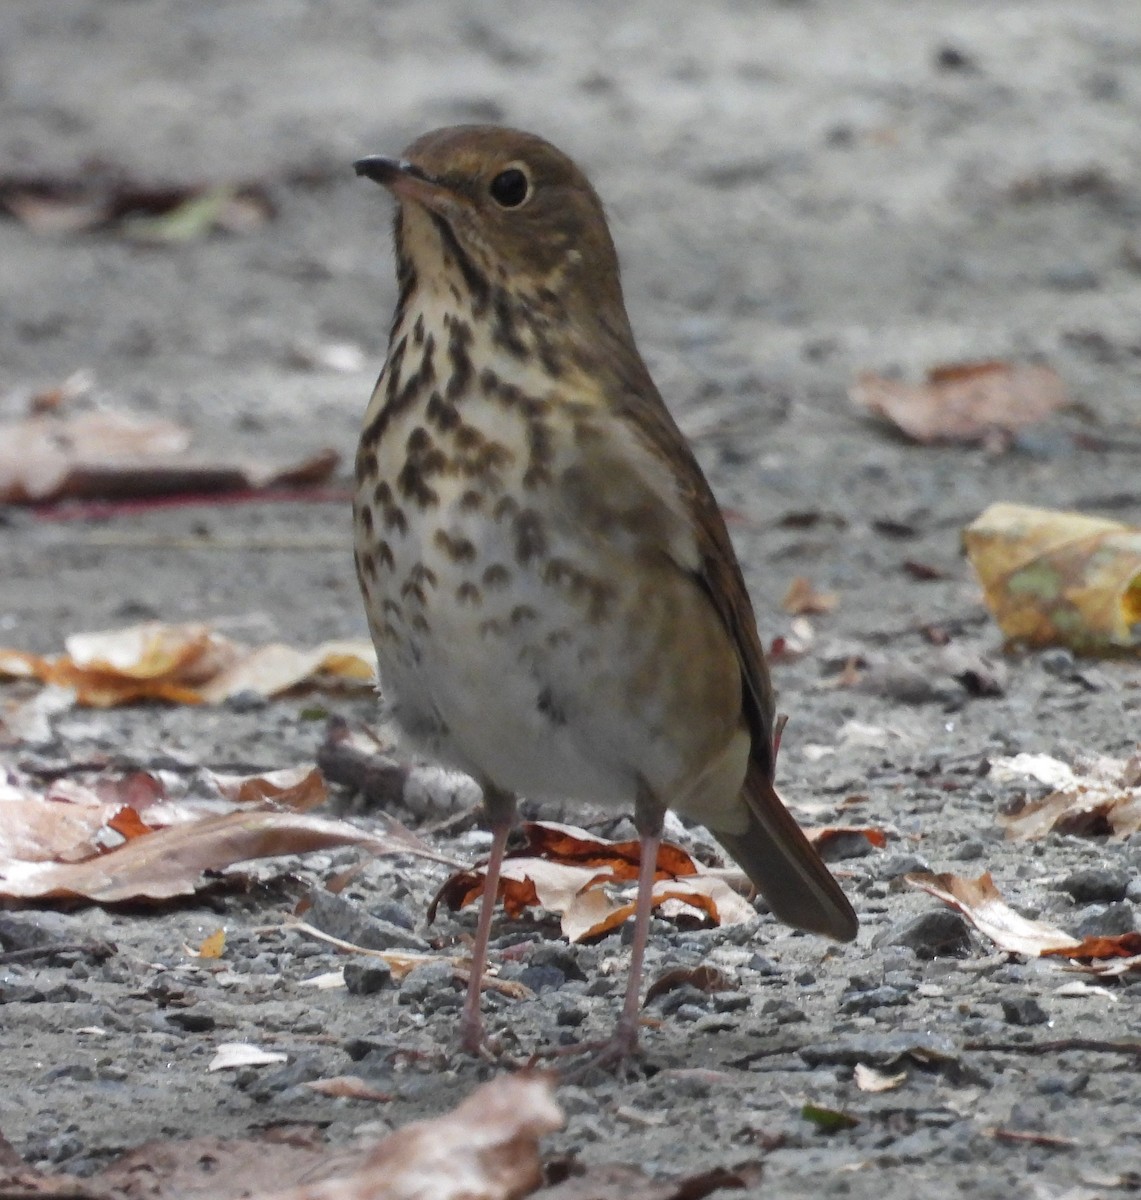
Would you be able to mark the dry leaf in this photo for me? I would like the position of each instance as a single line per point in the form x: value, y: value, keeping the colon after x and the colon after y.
x: 213, y: 946
x: 1103, y: 797
x: 296, y: 788
x: 166, y: 213
x: 580, y: 877
x: 276, y: 668
x: 821, y: 835
x: 868, y: 1079
x: 39, y: 456
x: 348, y: 1087
x: 211, y: 1167
x: 171, y: 861
x: 187, y: 664
x: 803, y: 600
x: 963, y: 402
x: 1059, y: 578
x: 703, y: 977
x: 485, y: 1149
x: 230, y: 1055
x: 979, y: 901
x: 109, y: 455
x: 982, y: 904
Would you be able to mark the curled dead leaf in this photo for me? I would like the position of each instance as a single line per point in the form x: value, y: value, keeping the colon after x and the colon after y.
x: 803, y: 600
x: 1059, y: 578
x: 187, y: 664
x: 980, y: 901
x: 964, y: 402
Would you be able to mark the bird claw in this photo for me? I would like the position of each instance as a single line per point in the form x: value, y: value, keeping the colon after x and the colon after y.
x: 620, y: 1053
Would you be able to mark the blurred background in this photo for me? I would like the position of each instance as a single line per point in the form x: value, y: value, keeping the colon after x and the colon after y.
x: 799, y: 191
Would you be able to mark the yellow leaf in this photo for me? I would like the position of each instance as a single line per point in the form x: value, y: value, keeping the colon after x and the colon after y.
x: 1059, y: 578
x: 214, y: 945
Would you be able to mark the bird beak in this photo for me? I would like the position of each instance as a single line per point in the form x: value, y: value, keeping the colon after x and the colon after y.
x: 404, y: 180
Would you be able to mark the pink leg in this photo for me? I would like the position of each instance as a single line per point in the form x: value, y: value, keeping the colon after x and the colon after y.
x: 501, y: 813
x: 625, y: 1040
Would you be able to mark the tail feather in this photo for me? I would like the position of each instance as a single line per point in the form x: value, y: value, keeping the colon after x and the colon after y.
x: 783, y: 865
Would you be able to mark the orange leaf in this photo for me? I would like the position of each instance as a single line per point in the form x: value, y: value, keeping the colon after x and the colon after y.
x: 803, y: 600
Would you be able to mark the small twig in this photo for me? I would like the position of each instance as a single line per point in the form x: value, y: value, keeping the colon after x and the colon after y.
x: 93, y: 950
x: 1058, y: 1046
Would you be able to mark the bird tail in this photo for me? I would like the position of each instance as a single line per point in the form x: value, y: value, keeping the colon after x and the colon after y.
x: 783, y: 865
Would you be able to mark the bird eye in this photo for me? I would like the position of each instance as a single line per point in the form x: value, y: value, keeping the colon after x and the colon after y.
x: 510, y: 188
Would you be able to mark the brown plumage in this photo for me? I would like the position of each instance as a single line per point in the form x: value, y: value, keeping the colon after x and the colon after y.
x: 555, y: 601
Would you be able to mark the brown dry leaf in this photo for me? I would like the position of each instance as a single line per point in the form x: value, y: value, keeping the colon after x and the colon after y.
x: 171, y: 861
x: 296, y: 788
x: 186, y: 664
x: 579, y: 882
x: 110, y: 456
x: 982, y: 904
x: 1117, y: 945
x: 485, y: 1149
x: 803, y: 600
x: 57, y: 205
x: 1059, y: 578
x: 40, y: 457
x: 821, y: 835
x: 575, y: 846
x: 348, y: 1087
x: 1102, y: 797
x: 275, y: 1158
x: 963, y: 402
x: 703, y: 977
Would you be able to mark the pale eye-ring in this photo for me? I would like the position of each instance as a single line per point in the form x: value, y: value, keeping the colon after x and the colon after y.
x: 511, y: 187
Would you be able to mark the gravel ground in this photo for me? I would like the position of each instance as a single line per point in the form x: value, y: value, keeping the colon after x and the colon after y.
x: 799, y: 191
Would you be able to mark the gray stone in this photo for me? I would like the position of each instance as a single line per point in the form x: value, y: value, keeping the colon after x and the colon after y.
x: 1092, y: 885
x: 1024, y: 1010
x: 364, y: 977
x: 939, y: 932
x: 343, y: 919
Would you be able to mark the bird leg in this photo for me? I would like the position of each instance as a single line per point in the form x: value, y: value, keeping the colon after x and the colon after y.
x: 500, y: 807
x: 649, y: 818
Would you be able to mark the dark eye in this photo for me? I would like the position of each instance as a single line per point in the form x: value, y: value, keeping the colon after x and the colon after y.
x: 510, y: 188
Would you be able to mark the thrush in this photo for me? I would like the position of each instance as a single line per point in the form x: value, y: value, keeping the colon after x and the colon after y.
x: 555, y: 602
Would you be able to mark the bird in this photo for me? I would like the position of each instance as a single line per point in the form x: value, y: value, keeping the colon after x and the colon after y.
x: 555, y: 602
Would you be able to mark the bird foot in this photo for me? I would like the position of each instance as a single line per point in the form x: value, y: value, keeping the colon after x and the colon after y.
x: 619, y: 1053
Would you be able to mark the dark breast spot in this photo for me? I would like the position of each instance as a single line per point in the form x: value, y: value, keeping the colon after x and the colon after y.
x: 496, y: 576
x: 530, y: 537
x: 458, y: 549
x: 550, y: 708
x: 468, y: 593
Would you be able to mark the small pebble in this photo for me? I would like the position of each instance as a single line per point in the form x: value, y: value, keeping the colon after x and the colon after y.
x: 1106, y: 921
x: 1024, y: 1010
x: 939, y: 932
x: 1091, y: 885
x: 365, y: 978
